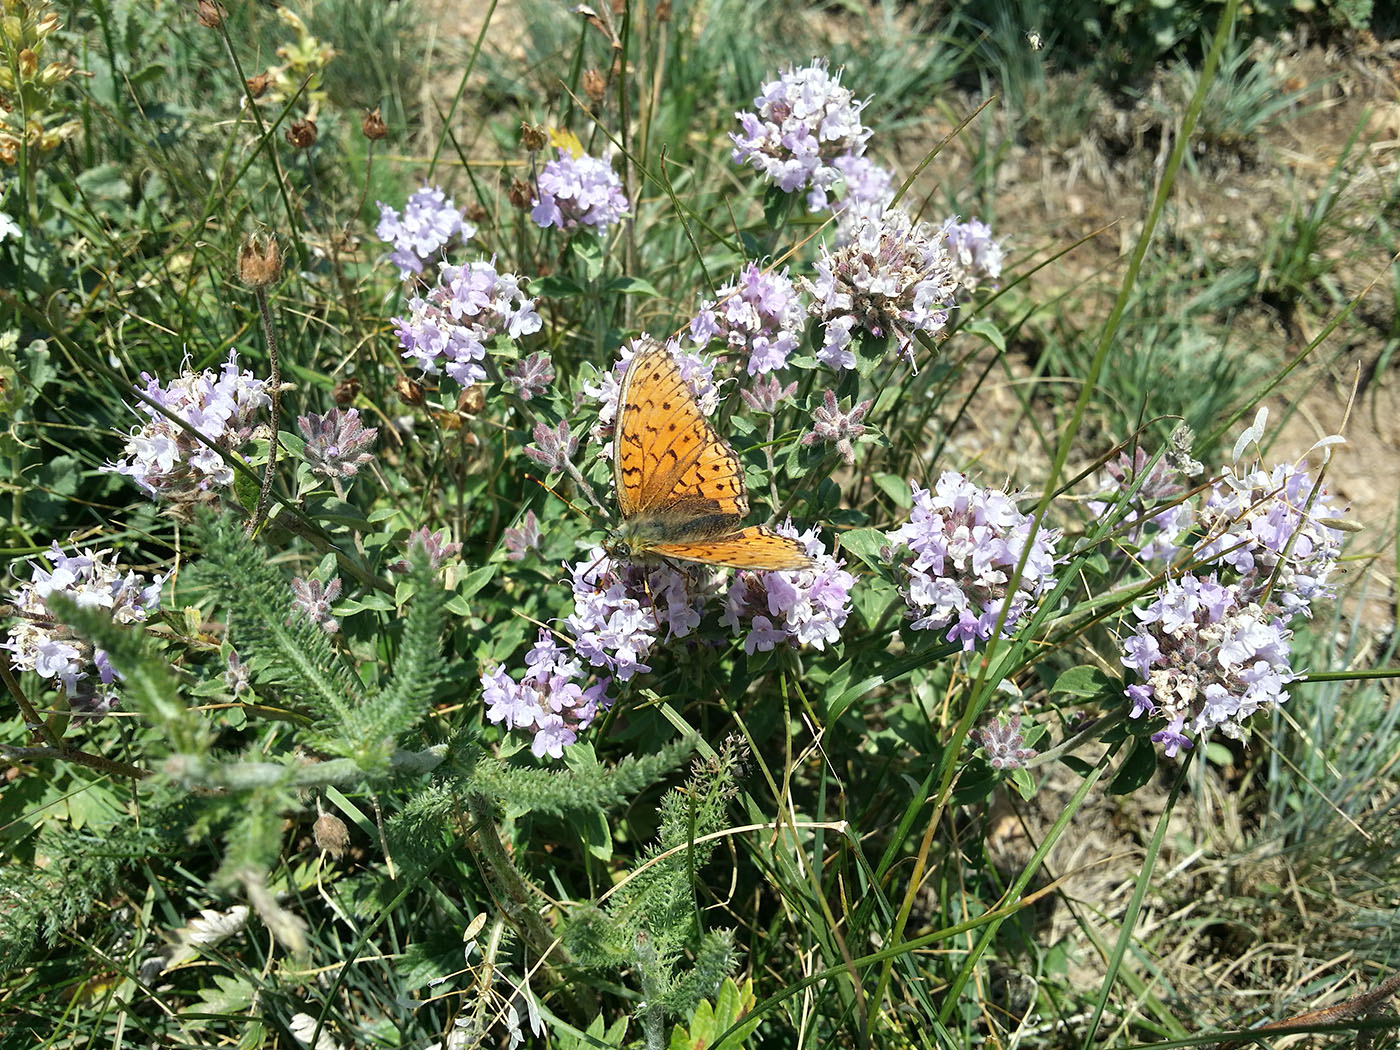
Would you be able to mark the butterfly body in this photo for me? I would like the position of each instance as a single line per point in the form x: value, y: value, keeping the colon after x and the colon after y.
x: 680, y: 486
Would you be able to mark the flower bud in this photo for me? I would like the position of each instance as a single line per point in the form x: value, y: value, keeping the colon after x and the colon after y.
x: 373, y: 126
x: 331, y: 834
x: 410, y: 391
x: 211, y: 14
x: 301, y: 134
x: 594, y: 86
x: 533, y: 136
x: 259, y: 261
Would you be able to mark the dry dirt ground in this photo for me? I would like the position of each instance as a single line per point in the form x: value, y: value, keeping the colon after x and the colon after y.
x: 1225, y: 209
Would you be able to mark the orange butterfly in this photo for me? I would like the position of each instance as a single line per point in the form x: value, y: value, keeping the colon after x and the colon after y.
x: 680, y: 487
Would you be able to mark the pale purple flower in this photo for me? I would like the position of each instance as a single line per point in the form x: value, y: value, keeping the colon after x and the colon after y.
x: 894, y: 279
x: 869, y: 190
x: 794, y: 607
x: 976, y: 257
x: 765, y: 394
x: 554, y: 447
x: 964, y: 543
x: 524, y: 538
x: 697, y: 371
x: 551, y: 701
x: 337, y: 444
x: 530, y: 376
x: 313, y: 599
x: 436, y: 545
x: 38, y: 642
x: 831, y: 426
x: 168, y: 461
x: 759, y: 316
x: 237, y: 676
x: 1266, y: 527
x: 427, y: 225
x: 1002, y: 740
x: 1154, y: 531
x: 805, y: 121
x: 573, y: 191
x: 448, y: 328
x: 614, y: 621
x: 1206, y: 659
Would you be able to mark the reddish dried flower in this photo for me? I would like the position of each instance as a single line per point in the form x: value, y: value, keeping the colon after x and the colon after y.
x: 472, y: 400
x: 373, y: 126
x: 534, y: 136
x: 594, y: 86
x: 301, y: 134
x: 521, y: 195
x: 410, y: 391
x: 345, y: 391
x: 259, y: 261
x: 257, y: 85
x: 211, y: 14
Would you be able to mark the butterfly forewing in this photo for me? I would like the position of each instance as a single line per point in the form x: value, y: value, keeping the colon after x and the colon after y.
x: 756, y: 547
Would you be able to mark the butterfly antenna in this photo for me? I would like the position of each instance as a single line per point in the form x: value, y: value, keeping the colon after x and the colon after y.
x: 558, y: 495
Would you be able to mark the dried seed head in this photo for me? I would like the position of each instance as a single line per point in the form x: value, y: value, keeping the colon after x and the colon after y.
x: 373, y: 125
x: 346, y: 390
x: 259, y: 261
x: 594, y: 86
x: 211, y: 14
x: 521, y: 195
x: 663, y: 11
x: 472, y: 400
x: 533, y: 136
x: 331, y: 834
x: 301, y: 134
x: 410, y: 391
x: 257, y: 85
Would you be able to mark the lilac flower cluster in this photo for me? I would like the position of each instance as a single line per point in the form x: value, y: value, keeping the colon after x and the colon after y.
x: 337, y: 444
x: 164, y: 458
x: 760, y: 315
x: 448, y: 327
x: 38, y: 642
x: 965, y: 543
x: 312, y: 599
x: 697, y: 371
x: 894, y: 278
x: 976, y: 257
x: 551, y: 700
x: 805, y: 122
x: 1004, y: 744
x: 793, y: 607
x: 1206, y: 658
x: 578, y: 191
x: 1154, y: 531
x: 869, y: 191
x: 1264, y: 525
x: 427, y: 225
x: 831, y: 426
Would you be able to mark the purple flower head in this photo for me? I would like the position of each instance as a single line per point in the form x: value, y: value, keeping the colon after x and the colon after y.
x: 795, y: 607
x: 963, y: 545
x: 1153, y: 531
x: 975, y: 256
x: 169, y: 462
x: 766, y: 394
x: 554, y: 448
x: 237, y: 676
x: 313, y: 599
x: 530, y: 376
x: 551, y: 701
x: 614, y: 625
x: 524, y: 538
x: 38, y: 642
x: 1206, y: 659
x: 869, y: 191
x: 697, y: 371
x: 447, y: 328
x: 759, y: 316
x: 428, y: 223
x: 1264, y: 526
x: 831, y: 426
x: 894, y: 278
x: 1002, y: 741
x: 573, y: 191
x: 805, y: 121
x: 435, y: 545
x: 337, y: 444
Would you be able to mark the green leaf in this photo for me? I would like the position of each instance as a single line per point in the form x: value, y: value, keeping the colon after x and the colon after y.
x: 1078, y: 765
x: 896, y: 488
x: 474, y: 581
x: 988, y: 331
x: 555, y: 287
x: 1023, y: 782
x: 632, y: 286
x: 1084, y: 680
x: 870, y: 351
x: 865, y: 544
x: 1137, y: 769
x: 776, y: 204
x: 587, y: 250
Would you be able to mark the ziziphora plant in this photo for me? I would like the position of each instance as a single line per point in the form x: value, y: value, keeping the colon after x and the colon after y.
x: 552, y: 583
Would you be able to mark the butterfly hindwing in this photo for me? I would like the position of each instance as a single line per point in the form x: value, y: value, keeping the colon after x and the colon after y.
x: 756, y: 547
